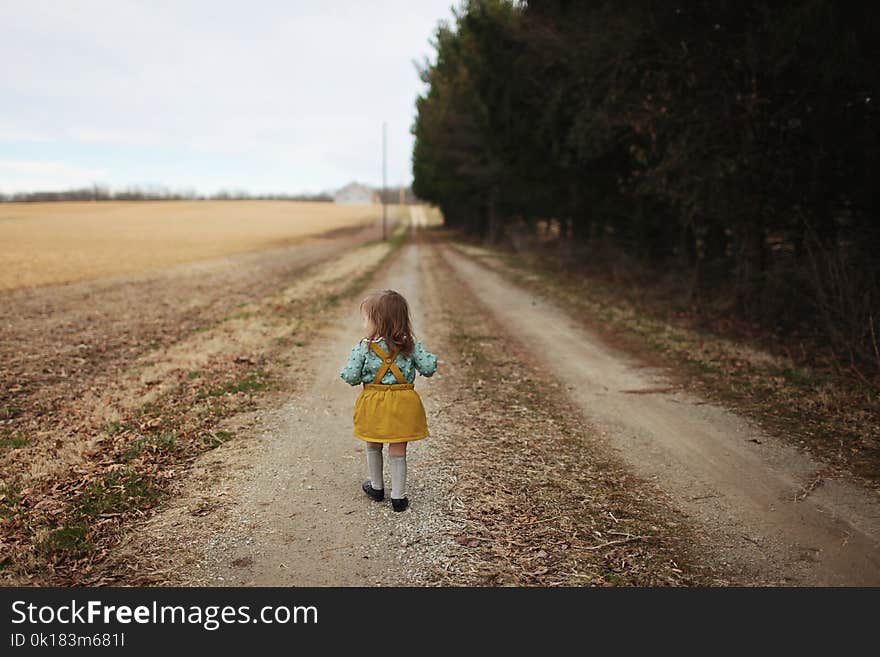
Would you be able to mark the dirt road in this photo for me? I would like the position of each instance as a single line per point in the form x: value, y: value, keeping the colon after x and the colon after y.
x: 753, y: 494
x: 553, y: 458
x: 292, y: 512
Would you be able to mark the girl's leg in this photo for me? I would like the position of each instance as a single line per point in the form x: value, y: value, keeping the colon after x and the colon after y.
x: 374, y: 464
x: 397, y: 454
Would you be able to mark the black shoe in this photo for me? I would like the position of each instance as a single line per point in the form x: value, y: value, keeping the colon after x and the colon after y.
x: 399, y: 505
x: 377, y: 495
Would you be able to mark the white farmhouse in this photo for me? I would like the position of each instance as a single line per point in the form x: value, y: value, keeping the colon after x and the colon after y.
x: 354, y: 193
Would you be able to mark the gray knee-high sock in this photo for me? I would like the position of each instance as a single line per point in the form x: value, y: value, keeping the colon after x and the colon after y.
x: 398, y: 477
x: 374, y: 464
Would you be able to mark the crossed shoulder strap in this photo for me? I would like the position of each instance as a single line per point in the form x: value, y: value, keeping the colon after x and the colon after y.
x: 387, y: 363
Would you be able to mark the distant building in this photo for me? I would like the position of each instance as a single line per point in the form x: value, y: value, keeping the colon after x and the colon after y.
x: 354, y: 193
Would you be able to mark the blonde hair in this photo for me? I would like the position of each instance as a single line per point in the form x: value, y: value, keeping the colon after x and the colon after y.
x: 389, y: 316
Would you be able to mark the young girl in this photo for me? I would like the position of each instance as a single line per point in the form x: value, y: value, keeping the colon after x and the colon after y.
x: 388, y: 410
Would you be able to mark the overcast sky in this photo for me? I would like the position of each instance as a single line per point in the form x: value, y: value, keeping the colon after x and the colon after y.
x: 267, y: 96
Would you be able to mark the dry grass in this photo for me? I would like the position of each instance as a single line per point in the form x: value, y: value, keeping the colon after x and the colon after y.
x: 535, y: 496
x: 45, y: 243
x: 116, y: 451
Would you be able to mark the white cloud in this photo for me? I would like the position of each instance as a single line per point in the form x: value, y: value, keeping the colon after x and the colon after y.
x: 25, y: 175
x: 13, y: 132
x: 118, y: 137
x: 280, y: 81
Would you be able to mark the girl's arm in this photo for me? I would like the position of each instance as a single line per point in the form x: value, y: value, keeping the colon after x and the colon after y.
x: 425, y: 362
x: 352, y: 373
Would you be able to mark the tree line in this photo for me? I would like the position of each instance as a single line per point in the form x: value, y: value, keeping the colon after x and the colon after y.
x: 101, y: 193
x: 731, y: 142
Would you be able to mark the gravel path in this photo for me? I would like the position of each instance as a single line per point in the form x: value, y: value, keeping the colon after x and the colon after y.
x: 308, y: 521
x: 285, y: 506
x: 612, y: 477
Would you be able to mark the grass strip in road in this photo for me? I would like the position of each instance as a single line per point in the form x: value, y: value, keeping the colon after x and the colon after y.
x: 537, y: 497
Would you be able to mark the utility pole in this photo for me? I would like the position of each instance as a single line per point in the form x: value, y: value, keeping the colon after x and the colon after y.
x: 384, y: 210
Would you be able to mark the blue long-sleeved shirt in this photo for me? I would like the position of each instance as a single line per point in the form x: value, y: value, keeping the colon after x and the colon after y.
x: 363, y: 364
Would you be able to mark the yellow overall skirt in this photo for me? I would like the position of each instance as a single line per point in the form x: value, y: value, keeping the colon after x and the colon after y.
x: 389, y: 413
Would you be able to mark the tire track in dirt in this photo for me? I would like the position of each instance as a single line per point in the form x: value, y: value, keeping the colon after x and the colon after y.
x: 758, y: 501
x: 287, y: 507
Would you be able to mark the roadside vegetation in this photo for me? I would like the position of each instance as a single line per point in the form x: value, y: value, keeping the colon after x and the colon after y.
x: 793, y: 390
x: 723, y: 153
x: 61, y: 516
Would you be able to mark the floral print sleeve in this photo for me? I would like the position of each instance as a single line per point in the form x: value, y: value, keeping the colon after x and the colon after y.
x: 425, y: 362
x: 352, y: 373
